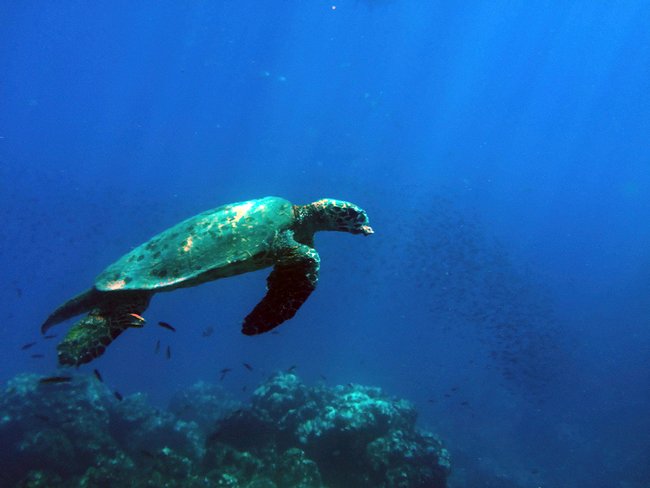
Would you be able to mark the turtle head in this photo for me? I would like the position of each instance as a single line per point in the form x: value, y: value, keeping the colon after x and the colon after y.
x: 331, y: 214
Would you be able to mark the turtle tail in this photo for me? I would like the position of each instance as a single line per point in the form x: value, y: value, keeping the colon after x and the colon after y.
x: 83, y: 302
x: 90, y: 336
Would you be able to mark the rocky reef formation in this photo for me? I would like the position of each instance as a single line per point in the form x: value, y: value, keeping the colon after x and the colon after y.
x: 78, y: 433
x: 346, y: 436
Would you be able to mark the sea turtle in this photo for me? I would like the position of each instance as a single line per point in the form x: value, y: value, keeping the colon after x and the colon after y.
x: 225, y: 241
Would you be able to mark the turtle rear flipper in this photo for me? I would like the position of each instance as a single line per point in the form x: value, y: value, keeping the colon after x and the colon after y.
x: 90, y: 336
x: 288, y: 286
x: 83, y: 302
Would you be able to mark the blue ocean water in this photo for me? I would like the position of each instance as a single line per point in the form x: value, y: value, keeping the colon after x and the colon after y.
x: 499, y: 148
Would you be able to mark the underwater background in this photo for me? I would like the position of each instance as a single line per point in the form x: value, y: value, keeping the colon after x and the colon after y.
x: 500, y: 149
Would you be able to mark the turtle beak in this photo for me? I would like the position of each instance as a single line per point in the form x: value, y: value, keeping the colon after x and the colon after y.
x: 367, y: 230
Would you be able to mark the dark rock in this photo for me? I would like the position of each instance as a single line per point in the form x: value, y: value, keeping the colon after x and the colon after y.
x: 77, y: 433
x: 353, y: 435
x: 40, y: 479
x: 203, y: 404
x: 142, y: 428
x: 51, y: 427
x: 294, y: 469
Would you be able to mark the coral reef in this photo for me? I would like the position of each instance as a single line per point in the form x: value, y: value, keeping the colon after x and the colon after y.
x: 354, y: 435
x: 78, y: 433
x: 203, y: 403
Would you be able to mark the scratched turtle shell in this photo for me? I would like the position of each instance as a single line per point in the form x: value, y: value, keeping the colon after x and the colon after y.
x: 225, y: 241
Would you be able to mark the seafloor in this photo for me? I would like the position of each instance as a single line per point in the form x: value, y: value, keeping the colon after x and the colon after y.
x: 79, y: 433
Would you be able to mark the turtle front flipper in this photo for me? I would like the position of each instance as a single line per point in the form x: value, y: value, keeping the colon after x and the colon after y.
x: 90, y: 336
x: 290, y: 283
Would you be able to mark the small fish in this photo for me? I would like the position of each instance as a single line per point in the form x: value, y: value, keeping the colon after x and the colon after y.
x: 323, y: 377
x: 464, y: 403
x: 55, y: 379
x: 28, y: 345
x: 155, y: 351
x: 248, y: 366
x: 167, y: 326
x: 49, y: 336
x: 44, y: 418
x: 98, y: 375
x: 118, y: 395
x: 291, y: 369
x: 207, y: 332
x: 37, y: 356
x: 243, y: 388
x: 138, y: 317
x: 224, y: 372
x: 168, y: 353
x: 146, y: 453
